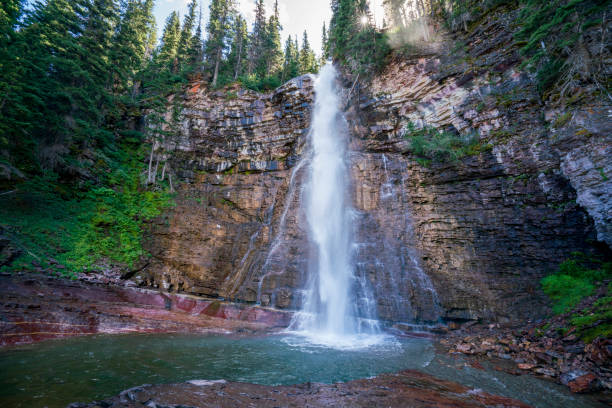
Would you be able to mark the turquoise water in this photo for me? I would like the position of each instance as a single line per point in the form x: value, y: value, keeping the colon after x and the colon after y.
x: 54, y: 373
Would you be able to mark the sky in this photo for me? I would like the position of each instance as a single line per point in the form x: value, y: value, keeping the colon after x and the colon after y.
x: 296, y: 15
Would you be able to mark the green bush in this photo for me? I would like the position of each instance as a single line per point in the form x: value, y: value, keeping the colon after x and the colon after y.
x: 566, y: 291
x: 259, y: 84
x: 550, y: 29
x: 430, y: 143
x: 79, y: 228
x: 575, y: 279
x: 113, y: 228
x: 595, y: 321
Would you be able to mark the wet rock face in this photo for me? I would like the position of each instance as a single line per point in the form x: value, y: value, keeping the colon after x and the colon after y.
x: 386, y: 248
x: 463, y: 239
x: 236, y: 156
x: 490, y: 225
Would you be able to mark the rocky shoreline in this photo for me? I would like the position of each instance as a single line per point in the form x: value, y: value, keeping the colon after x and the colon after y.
x: 35, y: 308
x: 537, y: 349
x: 404, y: 389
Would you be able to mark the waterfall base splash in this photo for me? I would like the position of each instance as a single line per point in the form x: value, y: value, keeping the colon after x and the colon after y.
x: 367, y: 334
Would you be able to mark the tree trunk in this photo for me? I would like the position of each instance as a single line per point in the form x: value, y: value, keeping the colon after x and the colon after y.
x: 422, y: 13
x: 155, y: 173
x: 223, y: 22
x: 163, y: 175
x: 238, y: 61
x: 215, y: 76
x: 150, y: 163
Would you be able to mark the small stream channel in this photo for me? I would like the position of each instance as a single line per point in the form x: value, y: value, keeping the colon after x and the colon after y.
x: 55, y: 373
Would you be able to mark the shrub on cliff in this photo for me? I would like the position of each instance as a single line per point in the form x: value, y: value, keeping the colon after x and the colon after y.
x: 563, y: 42
x: 427, y: 142
x: 554, y: 38
x: 575, y: 279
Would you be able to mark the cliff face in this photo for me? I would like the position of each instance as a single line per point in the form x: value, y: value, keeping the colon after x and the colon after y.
x: 235, y: 158
x: 537, y: 187
x: 457, y: 239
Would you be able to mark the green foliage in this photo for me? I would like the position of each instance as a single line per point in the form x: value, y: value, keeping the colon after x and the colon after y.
x: 185, y: 39
x: 595, y: 321
x: 551, y: 34
x: 291, y: 64
x: 357, y: 46
x: 65, y: 77
x: 273, y: 53
x: 218, y: 30
x: 430, y: 143
x: 236, y: 60
x: 259, y: 84
x: 575, y: 279
x: 168, y: 50
x: 135, y: 40
x: 307, y: 60
x: 458, y: 14
x: 79, y: 229
x: 257, y: 64
x: 550, y: 31
x: 566, y: 291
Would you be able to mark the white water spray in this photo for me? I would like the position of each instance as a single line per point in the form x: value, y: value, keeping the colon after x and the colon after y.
x: 329, y: 315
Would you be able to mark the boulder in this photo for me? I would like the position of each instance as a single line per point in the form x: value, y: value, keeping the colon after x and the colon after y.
x: 585, y: 383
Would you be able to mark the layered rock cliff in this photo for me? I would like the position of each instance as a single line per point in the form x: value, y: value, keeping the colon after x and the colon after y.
x: 536, y: 188
x: 235, y: 157
x: 459, y: 239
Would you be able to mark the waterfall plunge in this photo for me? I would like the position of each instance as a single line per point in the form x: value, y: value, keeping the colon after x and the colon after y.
x: 330, y: 316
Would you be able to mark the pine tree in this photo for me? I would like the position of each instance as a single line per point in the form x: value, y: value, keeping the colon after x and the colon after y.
x: 239, y: 47
x: 257, y: 63
x: 357, y: 46
x: 9, y: 14
x: 132, y: 44
x: 15, y: 112
x: 185, y: 40
x: 272, y: 52
x: 342, y: 27
x: 64, y: 63
x: 101, y: 21
x: 324, y: 45
x: 168, y: 50
x: 291, y: 65
x: 307, y: 58
x: 219, y: 30
x: 196, y: 51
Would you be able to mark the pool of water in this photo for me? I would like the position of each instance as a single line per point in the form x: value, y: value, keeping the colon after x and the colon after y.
x: 54, y: 373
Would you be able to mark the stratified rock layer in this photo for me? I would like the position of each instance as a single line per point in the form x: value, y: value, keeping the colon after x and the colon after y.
x: 462, y: 239
x: 239, y: 196
x: 35, y: 309
x: 533, y: 189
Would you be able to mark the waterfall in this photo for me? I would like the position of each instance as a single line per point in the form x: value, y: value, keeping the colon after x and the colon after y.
x: 329, y: 315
